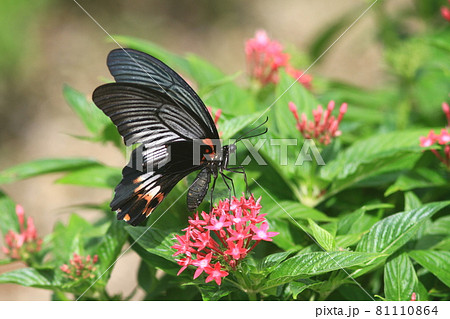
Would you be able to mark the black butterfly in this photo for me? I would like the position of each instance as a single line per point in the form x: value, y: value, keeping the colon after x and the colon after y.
x: 153, y: 107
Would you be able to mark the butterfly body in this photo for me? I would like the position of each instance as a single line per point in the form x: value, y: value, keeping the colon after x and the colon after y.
x: 155, y: 109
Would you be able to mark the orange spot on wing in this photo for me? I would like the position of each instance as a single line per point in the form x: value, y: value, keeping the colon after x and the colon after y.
x: 208, y: 141
x: 126, y: 217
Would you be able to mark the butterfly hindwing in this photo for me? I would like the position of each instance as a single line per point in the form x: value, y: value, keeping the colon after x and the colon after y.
x: 145, y: 185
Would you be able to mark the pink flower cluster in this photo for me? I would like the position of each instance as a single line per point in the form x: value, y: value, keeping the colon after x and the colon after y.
x: 445, y: 12
x: 324, y: 126
x: 216, y: 242
x: 264, y: 59
x: 443, y: 139
x: 22, y: 246
x: 80, y: 267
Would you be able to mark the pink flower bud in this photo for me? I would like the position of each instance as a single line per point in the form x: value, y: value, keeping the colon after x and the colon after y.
x: 445, y: 12
x: 20, y: 215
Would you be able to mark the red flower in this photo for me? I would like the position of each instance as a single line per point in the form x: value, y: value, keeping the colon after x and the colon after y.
x: 22, y: 246
x: 80, y: 267
x: 324, y: 126
x: 443, y: 139
x: 261, y: 233
x: 215, y: 273
x: 413, y: 296
x: 218, y: 240
x: 264, y: 58
x: 428, y: 140
x: 236, y: 250
x: 445, y: 12
x: 202, y: 263
x: 301, y: 77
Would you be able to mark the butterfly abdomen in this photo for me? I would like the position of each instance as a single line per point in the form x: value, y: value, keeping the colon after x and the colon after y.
x: 198, y: 189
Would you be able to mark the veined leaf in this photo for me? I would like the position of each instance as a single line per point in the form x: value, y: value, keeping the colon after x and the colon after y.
x: 294, y: 210
x: 154, y: 241
x: 8, y: 216
x: 437, y: 262
x: 311, y: 264
x: 369, y: 157
x: 111, y: 246
x: 230, y: 127
x: 30, y: 277
x: 323, y: 237
x: 394, y: 231
x: 297, y: 287
x: 400, y: 279
x: 419, y: 178
x: 44, y: 166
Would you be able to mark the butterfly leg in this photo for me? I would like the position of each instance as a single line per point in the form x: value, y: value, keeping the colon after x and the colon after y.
x: 212, y: 193
x: 239, y: 170
x: 225, y: 178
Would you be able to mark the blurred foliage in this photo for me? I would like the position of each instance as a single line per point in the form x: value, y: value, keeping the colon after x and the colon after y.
x: 379, y: 205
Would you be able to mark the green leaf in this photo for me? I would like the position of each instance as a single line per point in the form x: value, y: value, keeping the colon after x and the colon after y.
x: 230, y: 98
x: 111, y: 246
x: 44, y: 166
x: 30, y: 277
x: 400, y: 279
x: 154, y: 241
x: 323, y: 237
x: 358, y: 222
x: 272, y: 260
x: 230, y: 127
x: 203, y: 72
x: 6, y: 261
x: 373, y: 156
x: 8, y: 216
x: 213, y: 292
x: 294, y: 210
x: 437, y: 262
x: 146, y: 277
x: 312, y: 264
x: 411, y: 201
x: 94, y: 176
x: 419, y: 178
x: 93, y: 118
x: 287, y: 238
x: 297, y: 287
x: 394, y: 231
x: 70, y: 239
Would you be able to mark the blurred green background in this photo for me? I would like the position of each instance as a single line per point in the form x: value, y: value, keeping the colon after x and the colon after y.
x: 47, y: 43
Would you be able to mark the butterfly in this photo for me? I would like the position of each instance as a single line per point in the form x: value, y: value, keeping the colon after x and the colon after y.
x: 155, y: 109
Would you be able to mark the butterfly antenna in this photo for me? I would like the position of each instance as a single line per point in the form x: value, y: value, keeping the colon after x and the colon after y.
x: 246, y: 134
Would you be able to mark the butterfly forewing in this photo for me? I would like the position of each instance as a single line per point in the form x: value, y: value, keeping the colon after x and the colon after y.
x: 131, y: 66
